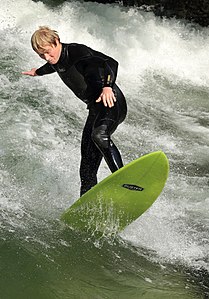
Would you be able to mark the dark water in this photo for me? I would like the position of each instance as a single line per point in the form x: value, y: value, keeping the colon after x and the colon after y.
x: 164, y: 74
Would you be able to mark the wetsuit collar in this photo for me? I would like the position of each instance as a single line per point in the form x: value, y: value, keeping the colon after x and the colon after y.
x: 62, y: 54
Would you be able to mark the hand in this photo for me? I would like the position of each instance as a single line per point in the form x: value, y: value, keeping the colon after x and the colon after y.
x: 107, y: 96
x: 32, y: 72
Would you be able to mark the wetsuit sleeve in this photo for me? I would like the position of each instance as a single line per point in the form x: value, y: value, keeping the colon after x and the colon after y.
x: 110, y: 72
x: 98, y: 66
x: 45, y: 69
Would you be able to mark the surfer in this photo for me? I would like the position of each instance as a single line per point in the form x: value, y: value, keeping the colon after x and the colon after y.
x: 91, y: 75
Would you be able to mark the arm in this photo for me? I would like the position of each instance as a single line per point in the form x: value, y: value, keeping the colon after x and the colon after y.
x: 110, y: 73
x: 106, y: 71
x: 43, y: 70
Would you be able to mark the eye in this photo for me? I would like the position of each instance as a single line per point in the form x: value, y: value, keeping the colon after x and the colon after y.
x: 42, y: 56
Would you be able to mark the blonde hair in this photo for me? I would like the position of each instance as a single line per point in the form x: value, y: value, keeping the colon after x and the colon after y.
x: 42, y: 37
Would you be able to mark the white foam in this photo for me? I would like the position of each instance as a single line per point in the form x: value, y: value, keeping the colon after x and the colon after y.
x: 161, y: 61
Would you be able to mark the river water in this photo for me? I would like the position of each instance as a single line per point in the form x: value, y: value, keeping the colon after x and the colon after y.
x: 164, y: 73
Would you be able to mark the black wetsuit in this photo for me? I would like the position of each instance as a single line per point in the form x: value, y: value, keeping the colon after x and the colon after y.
x: 86, y: 72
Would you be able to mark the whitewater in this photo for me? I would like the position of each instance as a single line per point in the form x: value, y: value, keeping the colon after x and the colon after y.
x: 163, y: 72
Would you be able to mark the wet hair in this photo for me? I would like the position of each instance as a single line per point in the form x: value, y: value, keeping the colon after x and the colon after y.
x: 42, y: 37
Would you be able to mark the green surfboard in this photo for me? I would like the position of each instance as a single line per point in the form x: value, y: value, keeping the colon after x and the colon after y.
x: 120, y: 198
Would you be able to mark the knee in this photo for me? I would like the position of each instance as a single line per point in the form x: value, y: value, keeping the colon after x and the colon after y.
x: 100, y: 136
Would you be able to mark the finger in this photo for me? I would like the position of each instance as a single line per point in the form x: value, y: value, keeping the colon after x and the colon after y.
x: 104, y: 99
x: 105, y: 102
x: 99, y: 100
x: 111, y: 99
x: 109, y: 102
x: 114, y: 98
x: 27, y: 73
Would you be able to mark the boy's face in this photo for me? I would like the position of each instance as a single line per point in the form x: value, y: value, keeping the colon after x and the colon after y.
x: 50, y: 53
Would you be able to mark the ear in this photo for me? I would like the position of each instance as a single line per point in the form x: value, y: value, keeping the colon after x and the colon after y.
x: 57, y: 42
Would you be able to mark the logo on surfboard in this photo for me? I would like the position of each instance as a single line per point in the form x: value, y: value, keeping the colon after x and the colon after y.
x: 133, y: 187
